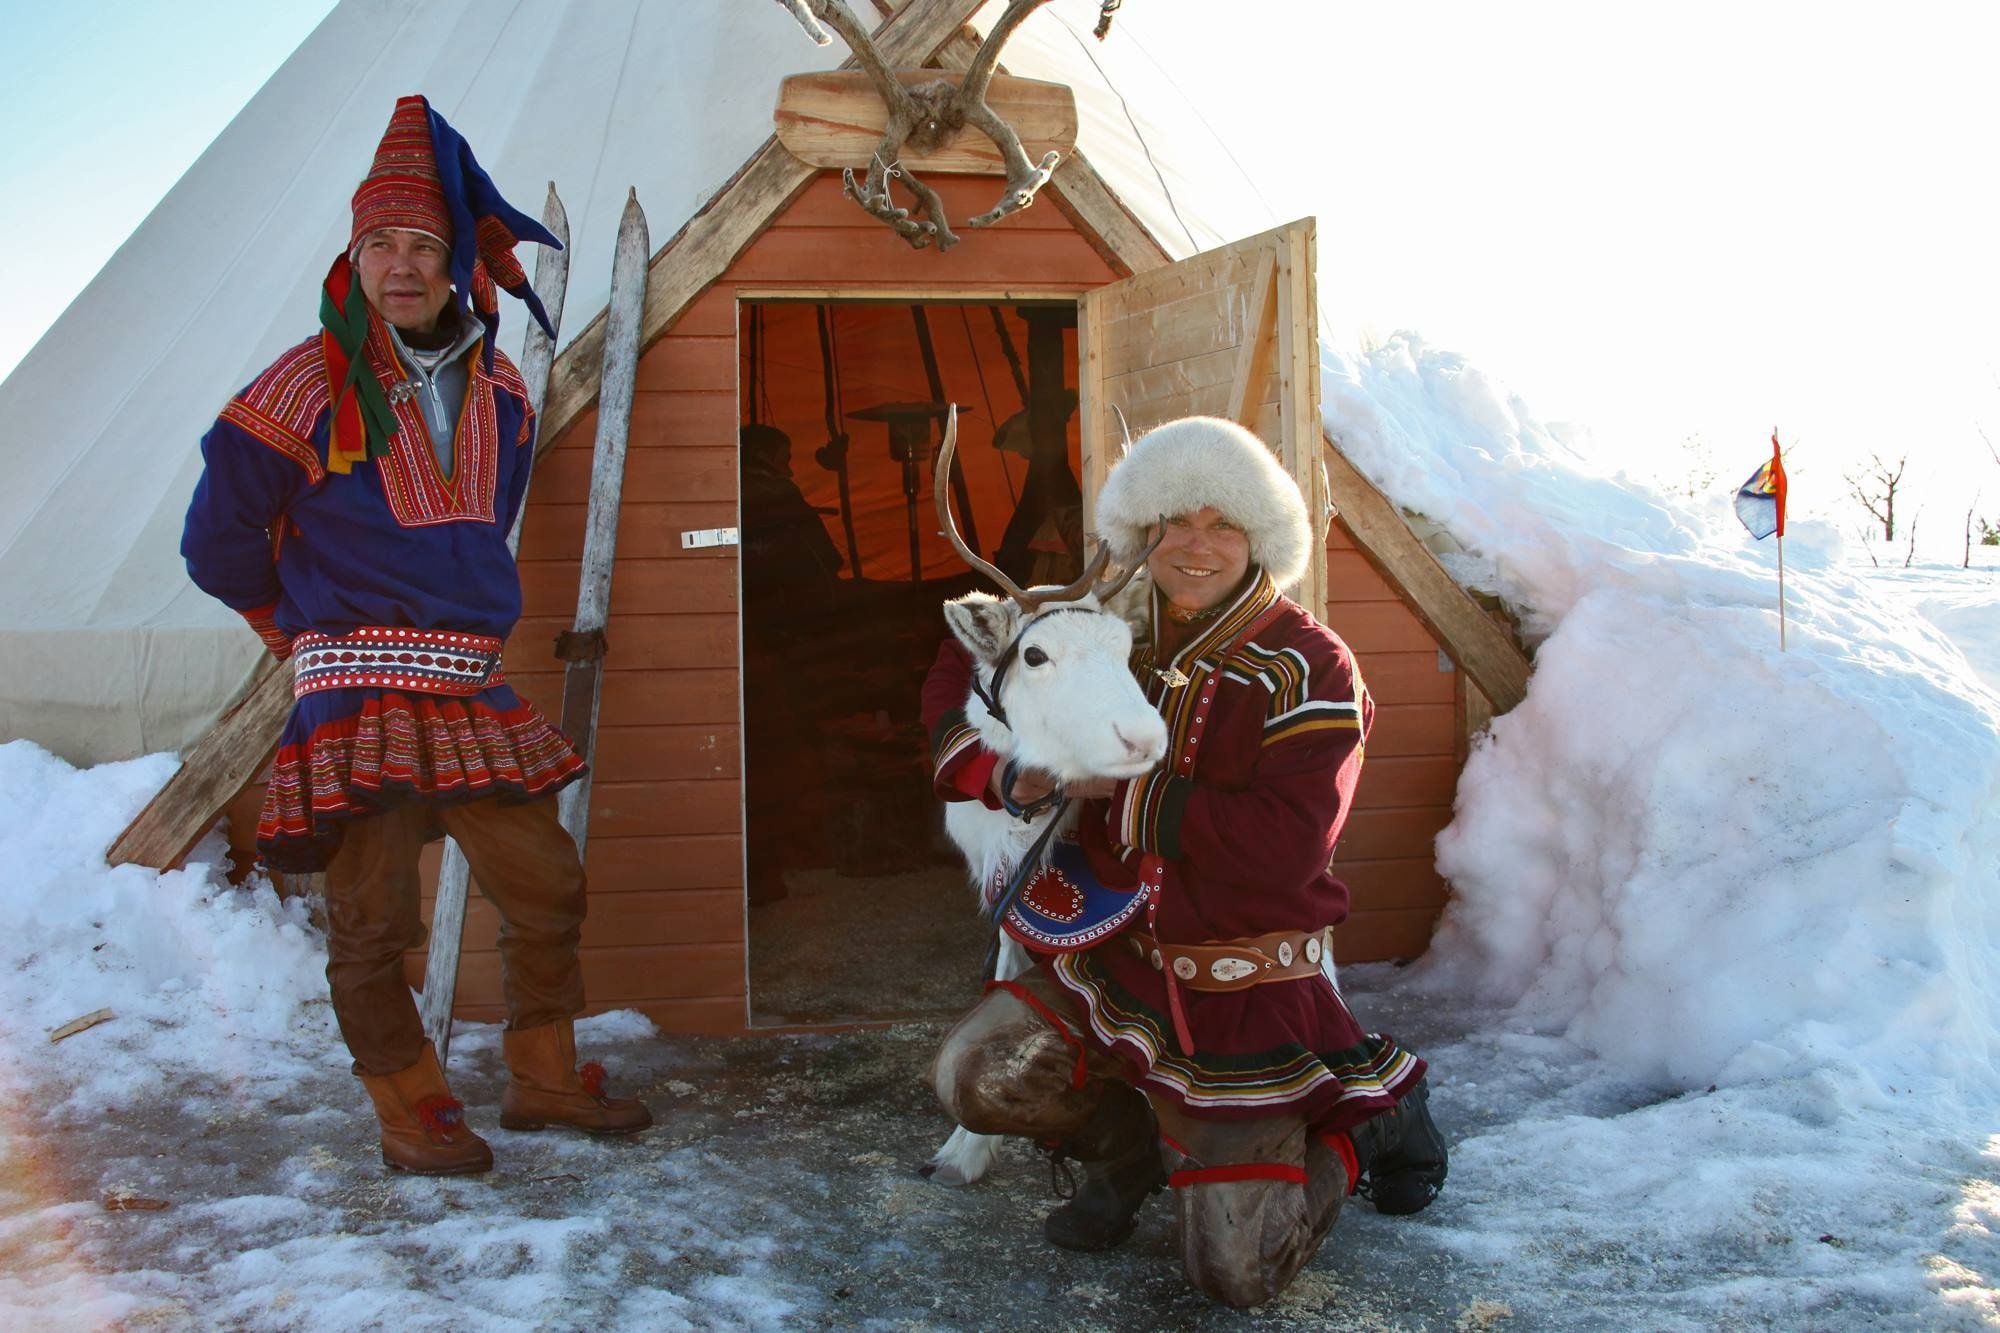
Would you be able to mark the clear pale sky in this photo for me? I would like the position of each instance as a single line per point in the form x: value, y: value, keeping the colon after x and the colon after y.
x: 1701, y: 218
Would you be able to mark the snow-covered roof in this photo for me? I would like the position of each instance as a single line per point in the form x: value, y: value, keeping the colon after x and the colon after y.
x: 106, y: 649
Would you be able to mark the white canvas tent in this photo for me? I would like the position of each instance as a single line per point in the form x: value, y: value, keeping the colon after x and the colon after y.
x: 106, y: 650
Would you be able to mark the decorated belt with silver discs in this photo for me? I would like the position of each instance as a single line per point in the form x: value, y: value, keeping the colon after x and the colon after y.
x: 426, y: 661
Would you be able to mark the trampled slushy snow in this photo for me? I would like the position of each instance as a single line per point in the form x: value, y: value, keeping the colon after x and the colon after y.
x: 1712, y: 1014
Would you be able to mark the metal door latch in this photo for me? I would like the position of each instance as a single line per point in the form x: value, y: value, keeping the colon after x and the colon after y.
x: 700, y: 537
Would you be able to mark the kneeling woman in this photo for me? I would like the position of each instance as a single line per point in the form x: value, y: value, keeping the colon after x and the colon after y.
x: 1203, y: 1045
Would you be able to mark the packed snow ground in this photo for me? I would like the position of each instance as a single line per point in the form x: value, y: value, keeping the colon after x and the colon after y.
x: 1713, y: 1014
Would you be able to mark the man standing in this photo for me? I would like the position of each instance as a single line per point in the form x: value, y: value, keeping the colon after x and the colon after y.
x: 1203, y: 1047
x: 354, y: 508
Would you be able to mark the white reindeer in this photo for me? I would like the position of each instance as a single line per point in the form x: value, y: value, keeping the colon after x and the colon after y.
x: 1052, y: 691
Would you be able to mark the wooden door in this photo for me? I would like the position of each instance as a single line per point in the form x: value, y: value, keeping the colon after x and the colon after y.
x: 1230, y: 332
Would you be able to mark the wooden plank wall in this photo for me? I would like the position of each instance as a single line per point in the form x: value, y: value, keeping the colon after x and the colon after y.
x: 1168, y: 345
x: 666, y: 931
x: 1410, y: 772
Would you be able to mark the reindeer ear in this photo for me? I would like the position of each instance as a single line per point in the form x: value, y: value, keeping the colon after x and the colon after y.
x: 983, y: 623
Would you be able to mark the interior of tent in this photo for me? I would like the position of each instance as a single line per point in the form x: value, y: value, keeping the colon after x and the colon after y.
x: 859, y: 907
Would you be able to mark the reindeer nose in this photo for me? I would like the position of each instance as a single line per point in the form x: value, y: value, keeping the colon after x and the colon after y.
x: 1132, y: 747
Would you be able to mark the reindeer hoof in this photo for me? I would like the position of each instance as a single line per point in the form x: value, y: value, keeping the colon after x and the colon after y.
x: 945, y: 1175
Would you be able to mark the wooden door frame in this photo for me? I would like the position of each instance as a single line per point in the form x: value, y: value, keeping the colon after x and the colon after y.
x: 780, y: 294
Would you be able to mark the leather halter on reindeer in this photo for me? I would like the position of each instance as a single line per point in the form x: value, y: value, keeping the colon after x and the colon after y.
x: 928, y: 116
x: 1088, y: 717
x: 1051, y: 690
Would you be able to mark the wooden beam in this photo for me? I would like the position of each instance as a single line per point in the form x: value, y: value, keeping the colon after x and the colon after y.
x: 1081, y: 195
x: 947, y: 292
x: 701, y: 251
x: 1090, y: 370
x: 1296, y: 292
x: 1481, y: 648
x: 1475, y: 715
x: 218, y: 766
x: 1253, y: 358
x: 837, y: 120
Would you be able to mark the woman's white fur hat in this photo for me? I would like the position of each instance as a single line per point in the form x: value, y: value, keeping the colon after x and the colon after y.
x: 1184, y: 465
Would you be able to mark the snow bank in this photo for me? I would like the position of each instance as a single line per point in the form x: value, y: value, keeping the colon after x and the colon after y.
x: 1704, y: 859
x: 204, y: 978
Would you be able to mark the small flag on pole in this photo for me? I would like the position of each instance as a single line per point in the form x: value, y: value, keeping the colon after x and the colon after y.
x: 1761, y: 501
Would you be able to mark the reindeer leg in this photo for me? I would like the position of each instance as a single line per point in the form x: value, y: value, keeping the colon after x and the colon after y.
x: 966, y: 1157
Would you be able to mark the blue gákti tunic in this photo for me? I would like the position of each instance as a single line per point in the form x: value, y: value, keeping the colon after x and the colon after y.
x: 395, y: 544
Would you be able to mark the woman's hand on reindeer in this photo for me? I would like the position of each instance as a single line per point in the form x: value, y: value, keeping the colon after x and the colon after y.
x: 1030, y: 784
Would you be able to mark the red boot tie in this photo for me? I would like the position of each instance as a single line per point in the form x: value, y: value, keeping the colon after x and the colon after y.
x: 440, y: 1115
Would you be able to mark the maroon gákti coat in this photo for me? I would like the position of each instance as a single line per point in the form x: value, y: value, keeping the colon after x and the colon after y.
x: 1246, y: 824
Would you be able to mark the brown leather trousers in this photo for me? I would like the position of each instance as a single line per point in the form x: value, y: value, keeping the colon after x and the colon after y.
x: 524, y: 863
x: 1005, y: 1069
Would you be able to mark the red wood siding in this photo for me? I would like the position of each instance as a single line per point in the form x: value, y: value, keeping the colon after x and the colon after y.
x: 666, y: 933
x: 666, y: 927
x: 1411, y: 771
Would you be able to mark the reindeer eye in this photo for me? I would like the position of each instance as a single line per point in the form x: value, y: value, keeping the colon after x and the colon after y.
x: 1034, y: 656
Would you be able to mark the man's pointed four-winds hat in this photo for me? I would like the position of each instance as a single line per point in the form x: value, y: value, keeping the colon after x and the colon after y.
x: 424, y: 178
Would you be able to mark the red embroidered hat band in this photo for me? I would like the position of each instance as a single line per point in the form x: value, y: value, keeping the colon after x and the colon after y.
x: 424, y: 178
x: 401, y: 189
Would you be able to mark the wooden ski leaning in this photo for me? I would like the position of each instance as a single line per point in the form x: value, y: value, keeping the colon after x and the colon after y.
x: 583, y: 647
x: 214, y: 769
x: 454, y: 873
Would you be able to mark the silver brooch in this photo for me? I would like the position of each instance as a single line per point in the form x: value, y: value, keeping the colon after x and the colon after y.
x: 1172, y: 676
x: 402, y: 391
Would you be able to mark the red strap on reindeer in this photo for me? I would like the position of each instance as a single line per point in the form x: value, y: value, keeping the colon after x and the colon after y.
x: 1081, y: 1074
x: 1219, y: 1175
x: 1338, y: 1141
x: 1343, y: 1147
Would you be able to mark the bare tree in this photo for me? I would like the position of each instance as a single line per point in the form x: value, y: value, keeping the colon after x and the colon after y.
x: 1875, y: 485
x: 1989, y: 532
x: 1910, y: 551
x: 1690, y: 470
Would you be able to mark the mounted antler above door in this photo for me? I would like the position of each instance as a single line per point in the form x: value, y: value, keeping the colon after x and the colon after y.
x: 927, y: 111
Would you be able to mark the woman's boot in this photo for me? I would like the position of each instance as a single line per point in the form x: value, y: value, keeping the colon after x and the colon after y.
x: 1119, y: 1150
x: 1402, y: 1155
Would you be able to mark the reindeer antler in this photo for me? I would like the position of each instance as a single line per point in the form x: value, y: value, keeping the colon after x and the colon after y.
x: 1028, y: 599
x: 1108, y: 590
x: 928, y: 116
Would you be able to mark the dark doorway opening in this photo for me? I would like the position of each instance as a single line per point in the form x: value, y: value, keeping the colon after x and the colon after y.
x: 859, y: 907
